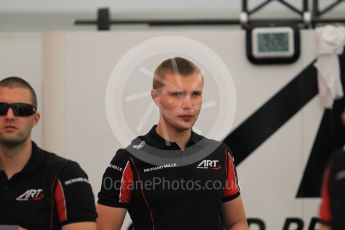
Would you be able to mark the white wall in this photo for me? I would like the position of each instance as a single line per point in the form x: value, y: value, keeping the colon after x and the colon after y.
x: 75, y: 82
x: 21, y: 55
x: 269, y: 178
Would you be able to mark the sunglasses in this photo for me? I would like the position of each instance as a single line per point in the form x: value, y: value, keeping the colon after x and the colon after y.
x: 19, y: 109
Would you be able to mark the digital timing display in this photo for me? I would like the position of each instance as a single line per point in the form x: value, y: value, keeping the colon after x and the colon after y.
x: 273, y: 42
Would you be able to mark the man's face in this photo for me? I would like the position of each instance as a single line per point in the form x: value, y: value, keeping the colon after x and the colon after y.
x: 179, y: 100
x: 15, y: 130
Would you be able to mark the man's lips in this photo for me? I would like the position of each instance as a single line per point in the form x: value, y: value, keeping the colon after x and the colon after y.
x: 186, y: 117
x: 10, y: 127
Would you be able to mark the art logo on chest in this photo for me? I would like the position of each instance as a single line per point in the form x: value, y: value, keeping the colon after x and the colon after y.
x: 31, y: 194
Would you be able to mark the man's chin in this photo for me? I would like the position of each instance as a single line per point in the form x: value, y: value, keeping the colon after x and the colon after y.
x: 185, y: 127
x: 11, y: 142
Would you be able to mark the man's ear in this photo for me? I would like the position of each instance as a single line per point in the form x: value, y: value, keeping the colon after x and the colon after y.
x: 37, y: 117
x: 155, y: 97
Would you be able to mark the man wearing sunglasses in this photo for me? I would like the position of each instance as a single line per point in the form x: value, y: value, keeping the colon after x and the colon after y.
x: 38, y: 189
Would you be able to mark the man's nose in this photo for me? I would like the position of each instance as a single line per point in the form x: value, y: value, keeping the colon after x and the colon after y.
x: 10, y: 114
x: 187, y: 102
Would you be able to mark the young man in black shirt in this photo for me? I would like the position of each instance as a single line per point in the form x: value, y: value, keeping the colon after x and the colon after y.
x: 38, y: 189
x: 173, y: 178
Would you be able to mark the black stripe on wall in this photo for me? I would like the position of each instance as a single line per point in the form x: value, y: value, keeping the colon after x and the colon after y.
x: 312, y: 177
x: 256, y: 129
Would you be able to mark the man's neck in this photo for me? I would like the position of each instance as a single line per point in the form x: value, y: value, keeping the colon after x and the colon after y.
x: 14, y: 158
x: 180, y: 137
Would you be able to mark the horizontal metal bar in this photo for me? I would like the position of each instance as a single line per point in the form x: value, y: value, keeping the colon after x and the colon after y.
x: 329, y: 20
x: 189, y: 22
x: 205, y: 22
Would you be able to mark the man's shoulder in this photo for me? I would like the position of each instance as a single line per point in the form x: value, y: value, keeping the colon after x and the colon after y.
x: 339, y: 154
x: 54, y: 159
x: 55, y: 163
x: 137, y: 143
x: 338, y: 158
x: 220, y: 146
x: 125, y: 153
x: 212, y: 141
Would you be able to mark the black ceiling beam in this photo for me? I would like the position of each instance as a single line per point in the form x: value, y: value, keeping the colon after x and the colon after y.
x: 244, y: 5
x: 291, y: 7
x: 204, y: 22
x: 260, y: 6
x: 104, y: 22
x: 263, y: 4
x: 158, y: 22
x: 316, y: 7
x: 305, y: 6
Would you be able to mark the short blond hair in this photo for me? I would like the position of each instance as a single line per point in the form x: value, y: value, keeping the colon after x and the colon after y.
x: 175, y: 65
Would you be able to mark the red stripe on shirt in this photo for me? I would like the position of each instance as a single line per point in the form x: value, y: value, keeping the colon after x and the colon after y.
x: 126, y: 185
x: 231, y: 186
x: 325, y: 212
x: 52, y: 204
x: 142, y: 193
x: 60, y: 202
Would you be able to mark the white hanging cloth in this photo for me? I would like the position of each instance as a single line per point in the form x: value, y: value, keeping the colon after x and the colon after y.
x: 330, y: 43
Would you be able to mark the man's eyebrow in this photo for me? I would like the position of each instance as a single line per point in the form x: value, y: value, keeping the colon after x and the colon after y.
x: 176, y: 91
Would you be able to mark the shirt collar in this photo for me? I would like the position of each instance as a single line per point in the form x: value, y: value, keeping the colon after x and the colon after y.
x: 154, y: 139
x: 36, y: 158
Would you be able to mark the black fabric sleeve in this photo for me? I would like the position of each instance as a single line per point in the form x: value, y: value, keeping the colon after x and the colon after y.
x: 74, y: 199
x: 117, y: 181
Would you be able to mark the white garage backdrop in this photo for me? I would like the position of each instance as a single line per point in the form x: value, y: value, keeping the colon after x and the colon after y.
x: 21, y: 55
x: 78, y: 65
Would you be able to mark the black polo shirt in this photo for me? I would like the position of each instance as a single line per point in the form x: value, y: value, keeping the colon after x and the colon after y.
x: 164, y: 197
x: 49, y: 192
